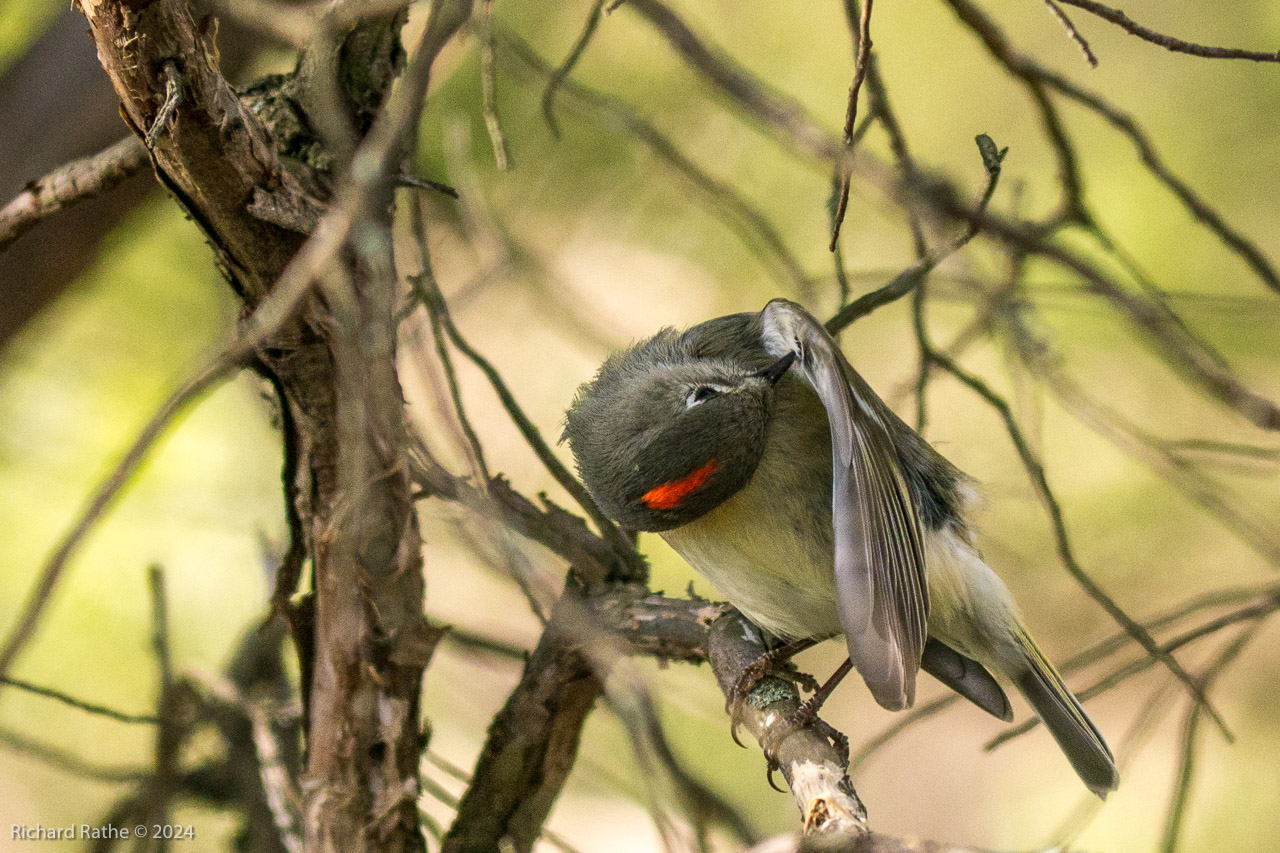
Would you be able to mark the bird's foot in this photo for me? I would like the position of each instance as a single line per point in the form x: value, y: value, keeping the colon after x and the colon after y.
x: 776, y: 662
x: 805, y: 716
x: 737, y: 699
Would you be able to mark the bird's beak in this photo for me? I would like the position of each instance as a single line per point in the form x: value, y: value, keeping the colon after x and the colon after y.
x: 774, y: 372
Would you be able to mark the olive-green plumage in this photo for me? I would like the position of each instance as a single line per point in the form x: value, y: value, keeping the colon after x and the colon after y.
x: 816, y: 511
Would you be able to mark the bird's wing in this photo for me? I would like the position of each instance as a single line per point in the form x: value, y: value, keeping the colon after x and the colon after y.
x: 881, y: 589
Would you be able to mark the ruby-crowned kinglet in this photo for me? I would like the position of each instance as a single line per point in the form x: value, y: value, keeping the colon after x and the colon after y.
x: 752, y: 446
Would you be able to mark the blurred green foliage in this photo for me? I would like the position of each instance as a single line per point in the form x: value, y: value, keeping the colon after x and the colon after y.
x: 21, y: 22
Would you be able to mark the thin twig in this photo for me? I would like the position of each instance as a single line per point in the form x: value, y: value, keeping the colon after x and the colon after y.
x: 49, y: 575
x: 565, y: 68
x: 172, y: 100
x: 475, y: 449
x: 489, y: 89
x: 278, y: 788
x: 1072, y: 206
x: 426, y: 184
x: 1039, y: 357
x: 909, y: 278
x: 632, y: 702
x: 161, y: 643
x: 802, y: 133
x: 1201, y: 210
x: 70, y: 184
x: 440, y: 795
x: 1073, y: 33
x: 78, y: 704
x: 1253, y: 612
x: 1132, y: 27
x: 1037, y: 76
x: 837, y: 254
x: 69, y: 762
x: 1190, y: 738
x: 173, y: 709
x: 435, y: 302
x: 747, y: 220
x: 1035, y: 470
x: 1167, y: 338
x: 851, y: 116
x: 473, y: 642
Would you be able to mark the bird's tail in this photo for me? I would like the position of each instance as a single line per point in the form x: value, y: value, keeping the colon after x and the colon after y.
x: 1066, y: 720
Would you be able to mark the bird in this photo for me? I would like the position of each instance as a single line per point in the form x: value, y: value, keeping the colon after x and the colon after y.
x: 753, y: 447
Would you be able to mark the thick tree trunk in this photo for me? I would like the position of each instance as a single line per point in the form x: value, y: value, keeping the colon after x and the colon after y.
x: 363, y: 640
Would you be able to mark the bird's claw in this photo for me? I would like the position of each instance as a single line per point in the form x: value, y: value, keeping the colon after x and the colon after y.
x: 746, y: 682
x: 773, y: 765
x: 803, y: 680
x: 777, y: 662
x: 733, y: 731
x: 807, y: 715
x: 767, y: 664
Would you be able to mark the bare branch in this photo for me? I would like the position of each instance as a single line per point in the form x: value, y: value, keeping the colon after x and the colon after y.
x: 802, y: 133
x: 532, y: 743
x: 66, y: 185
x: 851, y: 116
x: 909, y: 278
x: 1170, y: 340
x: 1132, y: 27
x: 79, y: 704
x: 561, y: 73
x: 1073, y: 33
x: 282, y: 796
x: 1072, y: 207
x: 1161, y: 456
x: 489, y: 88
x: 1190, y: 740
x: 1066, y: 553
x: 1250, y: 613
x: 814, y: 768
x: 1038, y: 76
x: 434, y: 301
x: 68, y: 762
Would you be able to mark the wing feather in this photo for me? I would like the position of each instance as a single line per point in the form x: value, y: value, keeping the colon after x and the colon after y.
x: 881, y: 588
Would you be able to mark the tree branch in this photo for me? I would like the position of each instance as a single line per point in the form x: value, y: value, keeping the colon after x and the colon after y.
x: 1133, y: 28
x: 69, y: 184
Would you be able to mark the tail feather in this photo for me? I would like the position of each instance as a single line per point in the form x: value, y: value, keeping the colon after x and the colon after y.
x: 966, y: 677
x: 1067, y: 722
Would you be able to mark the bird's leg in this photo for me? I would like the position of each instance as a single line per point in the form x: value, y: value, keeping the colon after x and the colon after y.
x: 807, y: 715
x: 763, y: 665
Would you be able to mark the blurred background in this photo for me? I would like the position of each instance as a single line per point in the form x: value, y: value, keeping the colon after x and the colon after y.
x: 591, y: 241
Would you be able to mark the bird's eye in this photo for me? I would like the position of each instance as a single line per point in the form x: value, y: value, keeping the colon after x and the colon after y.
x: 700, y: 395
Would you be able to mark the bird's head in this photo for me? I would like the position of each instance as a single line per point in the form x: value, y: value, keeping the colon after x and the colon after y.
x: 663, y: 434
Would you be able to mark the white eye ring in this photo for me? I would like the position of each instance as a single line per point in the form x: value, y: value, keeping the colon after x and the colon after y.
x: 700, y: 395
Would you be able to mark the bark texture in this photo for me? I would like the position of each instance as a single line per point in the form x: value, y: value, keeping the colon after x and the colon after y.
x: 363, y: 640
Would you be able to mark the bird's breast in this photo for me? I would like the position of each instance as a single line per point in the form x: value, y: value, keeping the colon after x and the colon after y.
x: 768, y: 549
